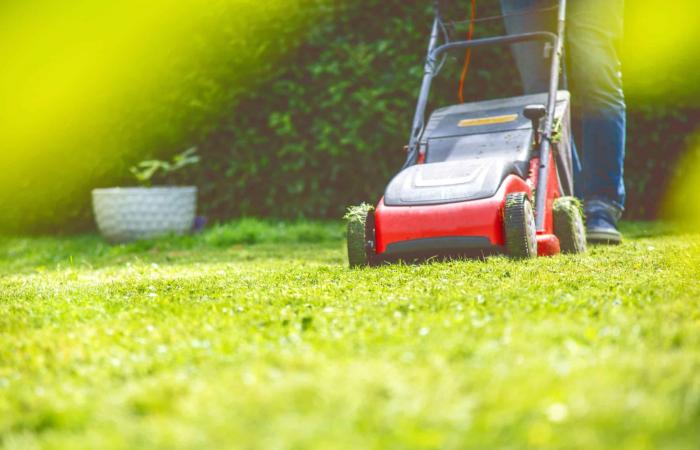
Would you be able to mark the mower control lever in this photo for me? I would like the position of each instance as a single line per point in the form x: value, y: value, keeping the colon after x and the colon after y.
x: 535, y: 113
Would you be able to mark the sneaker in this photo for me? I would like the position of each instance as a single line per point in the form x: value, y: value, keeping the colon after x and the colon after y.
x: 601, y: 222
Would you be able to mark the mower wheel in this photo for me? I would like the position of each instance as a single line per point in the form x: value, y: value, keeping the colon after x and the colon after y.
x: 519, y: 224
x: 568, y: 225
x: 360, y: 236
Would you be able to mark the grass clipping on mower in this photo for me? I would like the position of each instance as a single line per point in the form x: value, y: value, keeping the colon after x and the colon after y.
x: 568, y: 206
x: 569, y: 224
x: 356, y: 238
x: 358, y: 212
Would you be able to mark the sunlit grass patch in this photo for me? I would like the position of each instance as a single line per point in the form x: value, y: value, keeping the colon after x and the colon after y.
x: 274, y: 344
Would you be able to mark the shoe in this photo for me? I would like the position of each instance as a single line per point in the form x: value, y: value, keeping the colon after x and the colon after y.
x: 601, y: 222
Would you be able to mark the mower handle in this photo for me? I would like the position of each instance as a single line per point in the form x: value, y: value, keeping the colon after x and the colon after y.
x: 434, y: 51
x: 545, y: 144
x: 508, y: 39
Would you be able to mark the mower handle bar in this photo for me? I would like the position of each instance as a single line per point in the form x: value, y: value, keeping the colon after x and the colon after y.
x: 545, y: 145
x: 430, y: 71
x: 508, y: 39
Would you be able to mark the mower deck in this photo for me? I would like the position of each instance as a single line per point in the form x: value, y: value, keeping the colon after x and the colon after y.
x: 486, y: 177
x: 475, y: 155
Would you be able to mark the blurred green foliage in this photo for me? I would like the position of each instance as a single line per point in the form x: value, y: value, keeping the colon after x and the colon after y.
x: 302, y: 107
x: 89, y: 89
x: 679, y: 204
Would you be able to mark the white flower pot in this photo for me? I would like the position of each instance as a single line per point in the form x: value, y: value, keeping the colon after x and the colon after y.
x: 128, y: 214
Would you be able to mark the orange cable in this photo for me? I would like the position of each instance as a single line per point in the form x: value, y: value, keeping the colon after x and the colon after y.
x: 467, y: 56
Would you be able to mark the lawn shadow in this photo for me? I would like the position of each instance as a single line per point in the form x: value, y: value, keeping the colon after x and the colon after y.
x: 63, y: 257
x: 243, y: 240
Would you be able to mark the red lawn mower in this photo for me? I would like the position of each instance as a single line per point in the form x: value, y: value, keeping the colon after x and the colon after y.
x: 480, y: 178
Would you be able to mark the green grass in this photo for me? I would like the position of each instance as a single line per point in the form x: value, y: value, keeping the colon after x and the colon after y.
x: 257, y: 336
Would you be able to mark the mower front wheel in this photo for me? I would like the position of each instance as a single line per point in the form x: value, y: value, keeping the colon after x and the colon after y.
x: 568, y: 225
x: 519, y: 224
x: 360, y: 235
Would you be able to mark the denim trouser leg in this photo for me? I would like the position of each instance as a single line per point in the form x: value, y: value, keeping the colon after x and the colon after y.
x: 594, y: 30
x: 530, y: 57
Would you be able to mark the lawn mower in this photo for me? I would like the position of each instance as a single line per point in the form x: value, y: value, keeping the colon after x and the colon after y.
x: 480, y: 178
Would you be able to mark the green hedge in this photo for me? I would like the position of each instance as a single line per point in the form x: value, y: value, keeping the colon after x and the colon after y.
x: 328, y: 131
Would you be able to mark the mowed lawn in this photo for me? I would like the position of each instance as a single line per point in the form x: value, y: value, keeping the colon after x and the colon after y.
x: 256, y: 335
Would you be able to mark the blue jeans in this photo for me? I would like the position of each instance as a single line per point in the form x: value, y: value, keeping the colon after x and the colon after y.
x: 593, y: 35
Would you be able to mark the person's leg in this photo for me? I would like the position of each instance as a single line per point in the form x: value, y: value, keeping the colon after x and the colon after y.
x: 532, y: 59
x: 594, y: 31
x: 520, y: 17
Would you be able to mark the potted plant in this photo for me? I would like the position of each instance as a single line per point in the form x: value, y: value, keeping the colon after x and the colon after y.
x: 160, y: 206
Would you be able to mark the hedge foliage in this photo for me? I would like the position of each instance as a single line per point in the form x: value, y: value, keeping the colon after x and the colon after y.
x: 329, y: 129
x: 303, y: 111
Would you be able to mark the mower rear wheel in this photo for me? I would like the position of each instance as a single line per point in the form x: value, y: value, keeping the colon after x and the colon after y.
x: 519, y: 224
x: 360, y: 238
x: 568, y: 225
